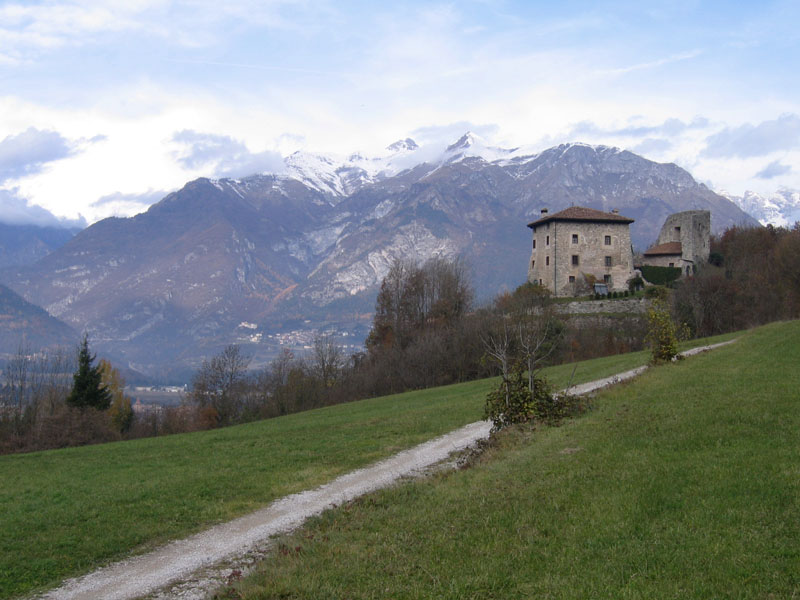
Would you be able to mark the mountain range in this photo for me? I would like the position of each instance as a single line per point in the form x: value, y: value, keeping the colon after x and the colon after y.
x: 781, y: 209
x: 266, y: 259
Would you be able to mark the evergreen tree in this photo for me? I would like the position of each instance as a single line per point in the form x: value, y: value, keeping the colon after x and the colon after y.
x: 87, y: 386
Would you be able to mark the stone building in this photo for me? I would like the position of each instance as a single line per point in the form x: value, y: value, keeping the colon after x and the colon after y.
x: 577, y: 247
x: 684, y: 241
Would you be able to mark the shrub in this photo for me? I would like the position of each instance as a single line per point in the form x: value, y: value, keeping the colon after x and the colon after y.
x: 512, y: 401
x: 656, y: 292
x: 662, y: 336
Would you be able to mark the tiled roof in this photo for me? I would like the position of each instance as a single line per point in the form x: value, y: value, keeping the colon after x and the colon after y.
x: 668, y: 248
x: 581, y: 213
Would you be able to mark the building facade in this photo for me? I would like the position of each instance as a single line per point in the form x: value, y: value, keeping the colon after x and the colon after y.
x: 577, y: 247
x: 684, y: 241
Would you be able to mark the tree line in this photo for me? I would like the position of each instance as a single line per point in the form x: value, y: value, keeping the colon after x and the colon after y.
x: 752, y: 278
x: 61, y: 398
x: 427, y: 331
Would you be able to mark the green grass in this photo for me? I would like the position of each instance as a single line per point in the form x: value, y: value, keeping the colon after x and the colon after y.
x: 65, y: 512
x: 684, y: 483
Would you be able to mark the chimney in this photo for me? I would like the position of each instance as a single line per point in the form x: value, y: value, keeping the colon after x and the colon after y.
x: 615, y: 211
x: 544, y: 212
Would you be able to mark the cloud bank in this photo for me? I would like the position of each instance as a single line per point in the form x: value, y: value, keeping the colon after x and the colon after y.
x: 750, y: 140
x: 222, y: 155
x: 15, y: 210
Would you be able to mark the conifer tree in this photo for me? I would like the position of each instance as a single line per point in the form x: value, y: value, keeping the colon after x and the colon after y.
x: 87, y: 386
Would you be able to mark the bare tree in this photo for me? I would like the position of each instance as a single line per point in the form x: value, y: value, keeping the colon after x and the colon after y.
x: 499, y: 348
x: 328, y: 360
x: 217, y: 384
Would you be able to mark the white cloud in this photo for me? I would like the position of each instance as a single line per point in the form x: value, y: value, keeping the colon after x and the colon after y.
x: 123, y: 205
x: 27, y: 152
x: 748, y: 140
x: 225, y: 156
x: 15, y: 210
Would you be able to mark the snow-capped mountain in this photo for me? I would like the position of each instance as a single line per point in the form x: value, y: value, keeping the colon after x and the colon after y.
x: 341, y: 176
x: 308, y: 247
x: 781, y: 208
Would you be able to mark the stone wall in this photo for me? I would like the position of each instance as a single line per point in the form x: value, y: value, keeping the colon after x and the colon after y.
x: 665, y: 260
x: 586, y: 307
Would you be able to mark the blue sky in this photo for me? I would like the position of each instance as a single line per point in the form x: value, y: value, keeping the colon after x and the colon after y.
x: 107, y: 106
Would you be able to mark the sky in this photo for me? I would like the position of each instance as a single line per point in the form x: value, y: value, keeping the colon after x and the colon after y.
x: 107, y: 106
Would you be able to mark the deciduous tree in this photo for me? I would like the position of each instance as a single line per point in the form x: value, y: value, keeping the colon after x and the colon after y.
x: 121, y: 412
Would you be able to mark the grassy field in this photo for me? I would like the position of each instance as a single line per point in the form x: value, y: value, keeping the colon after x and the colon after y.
x: 684, y: 483
x: 65, y: 512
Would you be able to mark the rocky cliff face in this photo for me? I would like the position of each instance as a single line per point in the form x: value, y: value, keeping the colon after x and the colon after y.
x: 239, y: 260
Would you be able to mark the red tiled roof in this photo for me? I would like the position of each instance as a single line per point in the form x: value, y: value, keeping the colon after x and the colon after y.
x: 581, y: 213
x: 662, y: 249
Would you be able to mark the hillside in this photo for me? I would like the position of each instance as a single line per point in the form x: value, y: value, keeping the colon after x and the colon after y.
x: 239, y: 260
x: 24, y: 325
x: 681, y: 484
x: 143, y: 492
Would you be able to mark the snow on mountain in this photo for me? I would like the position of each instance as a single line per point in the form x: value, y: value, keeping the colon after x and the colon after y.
x: 340, y: 176
x: 473, y: 145
x: 781, y: 208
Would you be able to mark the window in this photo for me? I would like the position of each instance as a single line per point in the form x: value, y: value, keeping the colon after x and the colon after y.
x: 575, y: 260
x: 671, y: 264
x: 547, y: 241
x: 608, y: 240
x: 534, y: 243
x: 547, y: 261
x: 533, y: 264
x: 608, y: 261
x: 572, y: 278
x: 540, y: 282
x: 607, y: 278
x: 574, y: 238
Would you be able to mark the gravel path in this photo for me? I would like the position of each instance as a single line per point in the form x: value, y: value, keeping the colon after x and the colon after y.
x: 191, y: 561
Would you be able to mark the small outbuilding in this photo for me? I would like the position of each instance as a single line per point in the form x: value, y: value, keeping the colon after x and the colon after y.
x: 684, y: 241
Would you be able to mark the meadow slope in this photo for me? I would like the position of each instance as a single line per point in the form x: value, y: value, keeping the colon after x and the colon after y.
x: 684, y: 483
x: 65, y: 512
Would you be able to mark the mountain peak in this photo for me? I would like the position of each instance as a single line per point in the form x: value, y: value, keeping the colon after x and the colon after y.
x: 400, y: 145
x: 468, y: 140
